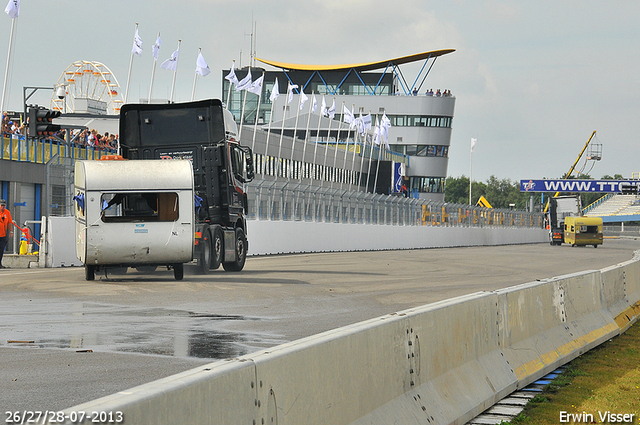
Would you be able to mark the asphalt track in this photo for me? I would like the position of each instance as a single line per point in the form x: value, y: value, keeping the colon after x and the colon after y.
x: 73, y: 341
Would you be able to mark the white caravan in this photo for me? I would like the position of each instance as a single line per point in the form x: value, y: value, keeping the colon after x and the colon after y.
x: 134, y: 213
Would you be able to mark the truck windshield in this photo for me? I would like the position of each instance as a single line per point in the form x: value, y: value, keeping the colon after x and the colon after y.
x: 139, y: 206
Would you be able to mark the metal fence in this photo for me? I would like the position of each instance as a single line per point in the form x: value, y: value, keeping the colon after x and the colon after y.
x: 17, y: 148
x: 271, y: 200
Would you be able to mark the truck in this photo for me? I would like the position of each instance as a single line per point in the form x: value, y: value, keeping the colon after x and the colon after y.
x: 559, y: 208
x: 568, y: 225
x: 202, y: 134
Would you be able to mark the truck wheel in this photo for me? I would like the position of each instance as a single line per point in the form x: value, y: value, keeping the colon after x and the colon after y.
x: 241, y: 253
x: 89, y: 272
x: 178, y: 271
x: 204, y: 261
x: 217, y: 248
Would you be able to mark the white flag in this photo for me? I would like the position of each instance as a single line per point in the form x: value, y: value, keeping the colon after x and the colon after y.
x: 364, y: 123
x: 13, y: 8
x: 303, y: 98
x: 256, y: 86
x: 290, y: 89
x: 137, y: 44
x: 384, y: 128
x: 275, y: 92
x: 314, y: 104
x: 376, y: 132
x: 172, y: 63
x: 156, y: 48
x: 332, y: 111
x: 245, y: 83
x: 201, y: 66
x: 323, y: 109
x: 473, y: 143
x: 348, y: 116
x: 231, y: 76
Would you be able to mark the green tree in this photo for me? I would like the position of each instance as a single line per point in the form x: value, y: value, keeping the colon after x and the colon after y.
x: 457, y: 190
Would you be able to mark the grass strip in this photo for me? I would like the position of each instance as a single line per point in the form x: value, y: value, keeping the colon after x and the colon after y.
x: 601, y: 386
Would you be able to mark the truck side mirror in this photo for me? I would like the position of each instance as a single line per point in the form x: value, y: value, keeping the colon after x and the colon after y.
x: 250, y: 173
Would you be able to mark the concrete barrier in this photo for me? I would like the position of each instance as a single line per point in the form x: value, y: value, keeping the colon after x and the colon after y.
x: 549, y: 323
x: 621, y: 292
x: 443, y: 363
x: 15, y: 261
x: 278, y: 237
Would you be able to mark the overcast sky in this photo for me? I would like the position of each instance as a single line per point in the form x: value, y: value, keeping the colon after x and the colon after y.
x: 532, y: 79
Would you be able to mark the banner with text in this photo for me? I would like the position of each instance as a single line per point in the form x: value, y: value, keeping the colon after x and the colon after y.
x: 594, y: 186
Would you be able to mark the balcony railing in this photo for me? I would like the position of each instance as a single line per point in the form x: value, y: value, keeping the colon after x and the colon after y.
x: 17, y: 148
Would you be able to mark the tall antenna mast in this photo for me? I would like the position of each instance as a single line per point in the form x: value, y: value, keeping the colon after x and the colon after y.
x: 254, y: 37
x: 252, y: 48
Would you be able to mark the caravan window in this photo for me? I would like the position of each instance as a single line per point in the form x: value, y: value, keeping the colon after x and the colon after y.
x: 139, y: 206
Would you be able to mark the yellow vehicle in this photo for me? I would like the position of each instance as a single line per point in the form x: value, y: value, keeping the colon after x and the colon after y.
x: 583, y: 231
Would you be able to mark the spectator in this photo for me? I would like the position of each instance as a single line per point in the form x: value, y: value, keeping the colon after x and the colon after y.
x: 91, y: 138
x: 6, y: 228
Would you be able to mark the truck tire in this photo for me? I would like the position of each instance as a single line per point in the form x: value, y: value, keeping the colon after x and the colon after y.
x: 89, y: 272
x: 241, y: 253
x: 178, y: 271
x: 217, y: 248
x: 204, y: 260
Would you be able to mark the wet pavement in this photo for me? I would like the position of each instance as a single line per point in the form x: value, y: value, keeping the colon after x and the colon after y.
x: 85, y: 325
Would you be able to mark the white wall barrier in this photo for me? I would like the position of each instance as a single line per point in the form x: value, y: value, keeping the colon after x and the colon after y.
x: 443, y: 363
x: 279, y: 237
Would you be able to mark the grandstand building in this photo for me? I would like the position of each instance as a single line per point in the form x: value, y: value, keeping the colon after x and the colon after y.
x: 419, y: 137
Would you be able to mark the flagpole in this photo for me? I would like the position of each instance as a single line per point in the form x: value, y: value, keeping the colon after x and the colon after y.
x: 266, y: 145
x: 175, y: 71
x: 304, y: 146
x: 255, y: 124
x: 346, y: 151
x: 295, y: 127
x: 335, y: 157
x: 126, y: 92
x: 364, y: 147
x: 6, y: 73
x: 233, y: 66
x: 315, y: 148
x: 284, y: 118
x: 370, y: 161
x: 195, y: 78
x: 244, y: 101
x: 324, y: 164
x: 153, y: 72
x: 470, y: 168
x: 375, y: 182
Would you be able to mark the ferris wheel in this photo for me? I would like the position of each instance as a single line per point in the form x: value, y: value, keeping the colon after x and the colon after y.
x: 87, y: 87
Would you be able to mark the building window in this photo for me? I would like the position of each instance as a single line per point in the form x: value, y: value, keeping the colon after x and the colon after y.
x: 419, y: 121
x: 427, y: 184
x: 422, y: 150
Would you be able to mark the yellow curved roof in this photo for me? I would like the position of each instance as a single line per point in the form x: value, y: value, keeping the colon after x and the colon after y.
x: 367, y: 66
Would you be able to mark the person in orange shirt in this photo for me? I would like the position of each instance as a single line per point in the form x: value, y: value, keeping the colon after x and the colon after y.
x: 6, y: 230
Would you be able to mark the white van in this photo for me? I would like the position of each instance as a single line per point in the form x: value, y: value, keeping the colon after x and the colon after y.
x: 134, y: 213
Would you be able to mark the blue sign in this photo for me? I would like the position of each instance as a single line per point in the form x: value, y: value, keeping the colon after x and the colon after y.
x: 397, y: 177
x: 579, y: 186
